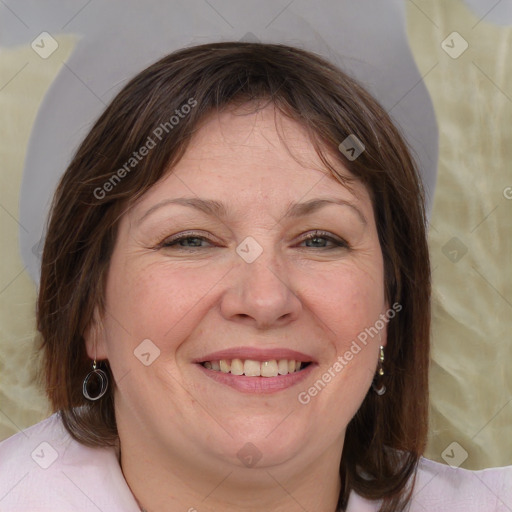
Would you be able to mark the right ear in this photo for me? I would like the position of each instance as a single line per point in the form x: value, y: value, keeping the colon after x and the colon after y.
x: 94, y: 336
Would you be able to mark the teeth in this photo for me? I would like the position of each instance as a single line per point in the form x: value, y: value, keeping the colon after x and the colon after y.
x: 237, y: 367
x: 252, y: 368
x: 282, y: 367
x: 269, y: 368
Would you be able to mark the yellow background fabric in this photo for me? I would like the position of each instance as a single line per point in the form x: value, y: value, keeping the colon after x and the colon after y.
x: 471, y: 381
x: 470, y: 236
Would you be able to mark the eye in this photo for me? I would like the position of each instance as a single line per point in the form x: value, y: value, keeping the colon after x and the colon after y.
x: 189, y: 240
x: 194, y: 240
x: 318, y: 236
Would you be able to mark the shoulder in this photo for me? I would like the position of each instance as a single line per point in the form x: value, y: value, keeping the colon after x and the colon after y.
x: 43, y: 468
x: 442, y: 488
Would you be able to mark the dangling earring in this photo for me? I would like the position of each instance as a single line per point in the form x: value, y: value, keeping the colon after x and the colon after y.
x: 101, y: 375
x: 377, y: 384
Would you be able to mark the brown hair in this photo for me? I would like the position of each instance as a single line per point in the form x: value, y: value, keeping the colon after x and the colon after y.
x: 388, y: 434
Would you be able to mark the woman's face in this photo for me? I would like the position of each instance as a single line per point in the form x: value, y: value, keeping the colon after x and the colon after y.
x: 243, y: 291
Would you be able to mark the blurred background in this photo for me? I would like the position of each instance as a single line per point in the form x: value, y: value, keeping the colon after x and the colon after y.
x: 463, y: 54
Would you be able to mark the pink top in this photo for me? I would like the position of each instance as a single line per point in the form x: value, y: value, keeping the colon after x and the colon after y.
x: 43, y: 469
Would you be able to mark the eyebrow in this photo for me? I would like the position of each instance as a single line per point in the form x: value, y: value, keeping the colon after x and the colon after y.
x: 218, y: 209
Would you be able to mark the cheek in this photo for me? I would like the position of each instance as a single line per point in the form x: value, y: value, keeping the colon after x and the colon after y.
x: 156, y: 302
x: 348, y: 298
x: 347, y: 301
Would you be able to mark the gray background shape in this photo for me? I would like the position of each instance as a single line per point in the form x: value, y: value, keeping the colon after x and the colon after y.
x: 118, y: 38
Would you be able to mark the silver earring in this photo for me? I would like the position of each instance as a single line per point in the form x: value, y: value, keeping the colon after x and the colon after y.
x: 103, y: 382
x: 377, y: 384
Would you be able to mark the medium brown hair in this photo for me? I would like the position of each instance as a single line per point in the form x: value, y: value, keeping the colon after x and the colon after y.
x: 386, y: 437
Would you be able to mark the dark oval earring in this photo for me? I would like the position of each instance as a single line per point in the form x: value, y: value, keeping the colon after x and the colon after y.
x: 102, y: 378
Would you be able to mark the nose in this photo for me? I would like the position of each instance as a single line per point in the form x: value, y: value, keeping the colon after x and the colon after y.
x: 260, y: 295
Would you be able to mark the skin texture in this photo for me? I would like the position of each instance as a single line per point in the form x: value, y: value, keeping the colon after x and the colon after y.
x: 180, y: 431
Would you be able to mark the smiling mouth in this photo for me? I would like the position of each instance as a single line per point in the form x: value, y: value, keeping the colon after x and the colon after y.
x: 252, y: 368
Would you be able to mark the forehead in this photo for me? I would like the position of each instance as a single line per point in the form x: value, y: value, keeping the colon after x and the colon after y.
x: 245, y: 153
x: 248, y: 132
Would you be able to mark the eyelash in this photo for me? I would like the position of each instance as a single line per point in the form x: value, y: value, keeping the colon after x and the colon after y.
x: 172, y: 243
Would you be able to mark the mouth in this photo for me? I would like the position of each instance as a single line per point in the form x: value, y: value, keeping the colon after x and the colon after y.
x: 254, y: 368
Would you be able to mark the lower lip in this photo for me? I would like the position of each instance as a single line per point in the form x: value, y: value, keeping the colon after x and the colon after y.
x: 258, y: 384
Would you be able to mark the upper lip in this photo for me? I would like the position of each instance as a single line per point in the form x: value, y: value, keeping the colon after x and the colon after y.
x: 255, y: 354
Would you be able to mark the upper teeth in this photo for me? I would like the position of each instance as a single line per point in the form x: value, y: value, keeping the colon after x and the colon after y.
x: 252, y: 368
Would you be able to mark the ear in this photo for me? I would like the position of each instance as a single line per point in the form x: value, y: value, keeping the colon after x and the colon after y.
x: 94, y: 336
